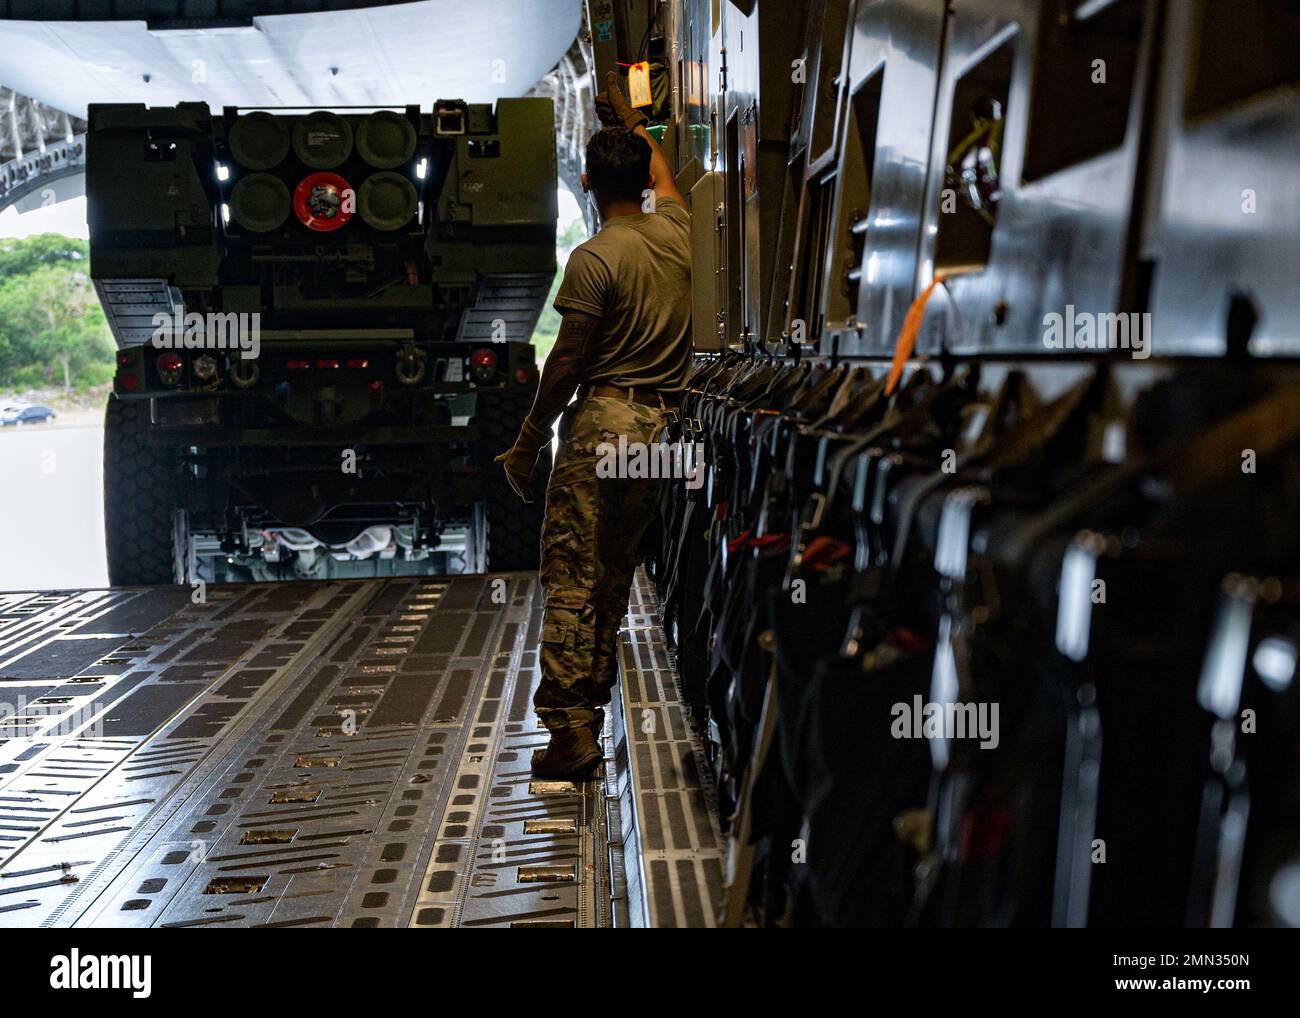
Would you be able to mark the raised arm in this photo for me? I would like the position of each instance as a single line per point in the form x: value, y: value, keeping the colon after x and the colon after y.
x: 665, y: 184
x: 613, y: 109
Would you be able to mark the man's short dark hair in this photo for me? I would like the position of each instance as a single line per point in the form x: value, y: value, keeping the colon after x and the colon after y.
x: 618, y: 164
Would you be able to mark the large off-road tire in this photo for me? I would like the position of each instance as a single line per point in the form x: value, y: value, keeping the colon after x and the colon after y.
x: 514, y: 527
x: 145, y: 533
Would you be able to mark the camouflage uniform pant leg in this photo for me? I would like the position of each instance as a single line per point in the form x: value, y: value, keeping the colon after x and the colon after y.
x: 568, y: 575
x: 594, y: 518
x: 627, y: 507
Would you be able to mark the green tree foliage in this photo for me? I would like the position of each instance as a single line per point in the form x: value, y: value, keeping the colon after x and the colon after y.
x: 20, y: 255
x: 52, y: 329
x: 548, y: 325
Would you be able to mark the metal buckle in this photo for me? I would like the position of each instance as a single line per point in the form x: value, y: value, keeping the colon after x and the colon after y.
x: 818, y: 502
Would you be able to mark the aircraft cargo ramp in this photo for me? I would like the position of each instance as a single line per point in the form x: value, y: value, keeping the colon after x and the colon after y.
x: 351, y: 753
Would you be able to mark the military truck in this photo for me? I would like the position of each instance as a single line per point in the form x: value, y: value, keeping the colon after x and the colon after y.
x: 323, y: 321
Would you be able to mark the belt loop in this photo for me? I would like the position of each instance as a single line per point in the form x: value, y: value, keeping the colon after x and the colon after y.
x: 631, y: 394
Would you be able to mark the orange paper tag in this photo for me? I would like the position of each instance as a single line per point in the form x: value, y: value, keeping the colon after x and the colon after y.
x: 638, y: 84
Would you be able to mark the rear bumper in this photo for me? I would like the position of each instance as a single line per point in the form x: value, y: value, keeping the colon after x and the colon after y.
x: 334, y: 437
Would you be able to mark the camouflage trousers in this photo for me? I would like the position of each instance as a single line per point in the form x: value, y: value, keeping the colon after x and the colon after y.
x: 593, y: 524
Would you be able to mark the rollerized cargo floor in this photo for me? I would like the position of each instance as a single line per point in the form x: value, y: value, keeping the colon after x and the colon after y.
x: 332, y: 754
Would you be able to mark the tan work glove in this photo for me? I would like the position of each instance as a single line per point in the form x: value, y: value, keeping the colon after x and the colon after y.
x: 520, y: 459
x: 613, y: 108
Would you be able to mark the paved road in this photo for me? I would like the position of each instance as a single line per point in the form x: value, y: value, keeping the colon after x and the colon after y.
x: 51, y: 507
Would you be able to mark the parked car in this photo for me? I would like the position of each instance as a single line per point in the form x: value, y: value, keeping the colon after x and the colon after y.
x: 26, y: 413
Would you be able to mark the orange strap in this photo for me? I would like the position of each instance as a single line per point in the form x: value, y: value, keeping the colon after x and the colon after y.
x: 907, y: 338
x: 912, y: 325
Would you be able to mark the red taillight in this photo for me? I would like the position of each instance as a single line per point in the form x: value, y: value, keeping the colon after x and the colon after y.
x: 523, y: 375
x: 297, y: 365
x: 327, y: 364
x: 357, y: 364
x: 169, y: 367
x: 377, y: 387
x: 129, y: 381
x: 123, y: 358
x: 483, y: 358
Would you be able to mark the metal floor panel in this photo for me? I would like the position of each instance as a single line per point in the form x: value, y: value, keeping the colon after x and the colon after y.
x: 673, y: 852
x: 348, y: 753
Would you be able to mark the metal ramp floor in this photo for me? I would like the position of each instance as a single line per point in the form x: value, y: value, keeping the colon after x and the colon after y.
x: 349, y: 753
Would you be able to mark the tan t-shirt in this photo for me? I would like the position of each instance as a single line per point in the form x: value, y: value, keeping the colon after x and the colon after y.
x: 635, y: 275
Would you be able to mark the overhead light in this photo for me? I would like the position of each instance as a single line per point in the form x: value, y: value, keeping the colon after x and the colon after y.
x: 421, y: 168
x: 1275, y: 661
x: 223, y: 171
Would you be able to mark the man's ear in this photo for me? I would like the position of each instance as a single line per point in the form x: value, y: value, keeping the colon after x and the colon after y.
x: 650, y: 185
x: 586, y: 185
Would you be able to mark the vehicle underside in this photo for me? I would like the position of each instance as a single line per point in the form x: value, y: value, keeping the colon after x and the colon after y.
x: 329, y: 468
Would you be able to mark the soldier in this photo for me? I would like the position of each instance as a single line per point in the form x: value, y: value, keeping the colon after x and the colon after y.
x: 625, y: 346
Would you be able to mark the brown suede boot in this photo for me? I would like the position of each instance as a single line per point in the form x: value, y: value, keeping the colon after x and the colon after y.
x: 573, y: 750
